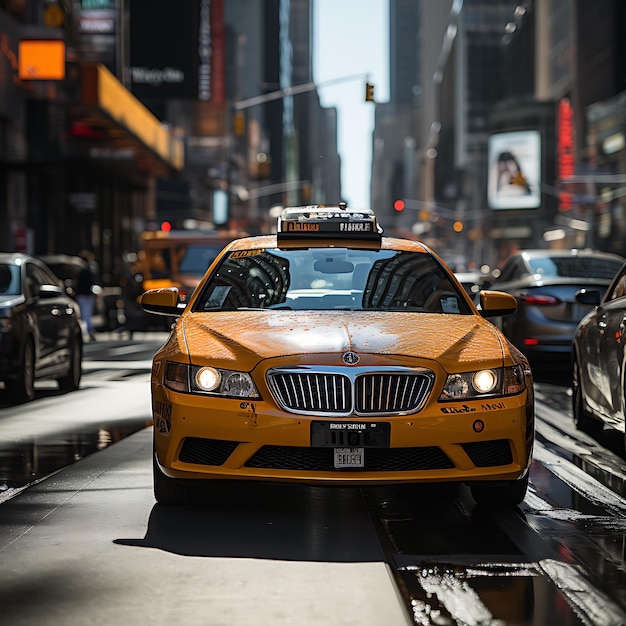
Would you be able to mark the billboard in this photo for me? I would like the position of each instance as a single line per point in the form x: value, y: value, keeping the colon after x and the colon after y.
x: 42, y: 59
x: 177, y: 49
x: 514, y: 170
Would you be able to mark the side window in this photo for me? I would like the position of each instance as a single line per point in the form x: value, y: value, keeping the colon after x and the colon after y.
x: 34, y: 280
x: 619, y: 287
x: 46, y: 277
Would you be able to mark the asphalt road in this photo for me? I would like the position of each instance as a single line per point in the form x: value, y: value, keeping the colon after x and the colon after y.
x: 87, y: 544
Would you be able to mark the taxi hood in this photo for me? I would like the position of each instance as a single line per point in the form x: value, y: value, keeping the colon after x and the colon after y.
x: 239, y: 340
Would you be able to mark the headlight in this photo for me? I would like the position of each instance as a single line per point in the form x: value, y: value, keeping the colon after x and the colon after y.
x: 209, y: 380
x: 485, y: 383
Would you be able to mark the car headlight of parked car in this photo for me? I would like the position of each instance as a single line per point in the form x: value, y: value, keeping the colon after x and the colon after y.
x: 209, y: 380
x: 485, y: 383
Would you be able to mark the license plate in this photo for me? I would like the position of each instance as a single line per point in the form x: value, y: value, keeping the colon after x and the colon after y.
x: 349, y: 457
x: 350, y: 434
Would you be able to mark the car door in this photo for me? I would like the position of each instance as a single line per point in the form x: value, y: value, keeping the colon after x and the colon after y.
x: 611, y: 324
x: 49, y: 315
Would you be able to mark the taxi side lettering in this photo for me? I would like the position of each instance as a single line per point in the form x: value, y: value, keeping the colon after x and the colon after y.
x: 450, y: 410
x: 492, y: 406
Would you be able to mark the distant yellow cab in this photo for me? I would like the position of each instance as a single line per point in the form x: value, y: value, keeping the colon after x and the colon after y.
x: 329, y: 354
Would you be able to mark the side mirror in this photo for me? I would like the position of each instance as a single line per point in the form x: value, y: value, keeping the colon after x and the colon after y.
x: 588, y: 296
x: 50, y: 291
x: 496, y: 303
x: 161, y: 301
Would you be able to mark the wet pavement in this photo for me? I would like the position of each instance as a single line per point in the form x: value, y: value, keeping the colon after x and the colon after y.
x: 560, y: 558
x: 26, y: 458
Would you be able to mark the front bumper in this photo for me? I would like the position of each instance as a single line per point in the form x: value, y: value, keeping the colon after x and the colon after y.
x: 204, y: 437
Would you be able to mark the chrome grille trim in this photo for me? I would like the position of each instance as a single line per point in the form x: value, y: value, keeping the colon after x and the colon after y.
x: 390, y: 393
x: 343, y: 391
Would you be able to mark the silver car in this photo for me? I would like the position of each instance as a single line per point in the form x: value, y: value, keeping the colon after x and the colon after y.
x: 545, y: 283
x: 599, y: 360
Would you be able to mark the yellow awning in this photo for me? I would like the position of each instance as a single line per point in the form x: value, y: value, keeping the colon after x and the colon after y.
x: 107, y: 100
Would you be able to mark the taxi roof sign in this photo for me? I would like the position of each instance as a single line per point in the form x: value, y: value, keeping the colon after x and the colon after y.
x: 328, y: 222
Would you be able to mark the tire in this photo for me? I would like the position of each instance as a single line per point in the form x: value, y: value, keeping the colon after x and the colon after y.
x: 175, y: 491
x: 582, y: 420
x: 71, y: 382
x: 24, y: 388
x: 500, y: 493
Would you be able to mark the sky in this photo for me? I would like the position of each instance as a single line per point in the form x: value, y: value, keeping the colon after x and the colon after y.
x: 350, y: 37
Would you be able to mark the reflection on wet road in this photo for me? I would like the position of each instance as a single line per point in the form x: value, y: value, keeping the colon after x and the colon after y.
x: 560, y: 558
x: 57, y: 429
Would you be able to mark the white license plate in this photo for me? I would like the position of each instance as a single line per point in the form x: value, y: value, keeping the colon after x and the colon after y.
x: 349, y: 457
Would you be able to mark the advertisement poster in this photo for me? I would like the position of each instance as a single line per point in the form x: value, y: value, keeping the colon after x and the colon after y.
x: 514, y: 178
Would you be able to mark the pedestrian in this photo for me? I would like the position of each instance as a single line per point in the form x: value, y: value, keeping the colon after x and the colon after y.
x: 87, y: 288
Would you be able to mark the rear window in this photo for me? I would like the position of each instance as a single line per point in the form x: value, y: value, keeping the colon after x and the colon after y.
x: 195, y: 259
x: 576, y: 267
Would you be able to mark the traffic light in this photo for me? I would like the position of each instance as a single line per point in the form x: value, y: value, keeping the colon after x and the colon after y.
x: 369, y: 92
x: 399, y: 205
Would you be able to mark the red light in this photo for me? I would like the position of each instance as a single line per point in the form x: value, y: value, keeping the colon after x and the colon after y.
x: 79, y: 129
x: 166, y: 227
x: 531, y: 341
x: 399, y: 205
x: 539, y: 300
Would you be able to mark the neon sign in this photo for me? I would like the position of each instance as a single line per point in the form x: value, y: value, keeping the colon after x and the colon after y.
x: 566, y: 155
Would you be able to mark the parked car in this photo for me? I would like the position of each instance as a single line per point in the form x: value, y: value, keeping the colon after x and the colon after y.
x: 67, y: 268
x: 329, y: 354
x: 599, y: 360
x: 40, y: 333
x: 545, y: 283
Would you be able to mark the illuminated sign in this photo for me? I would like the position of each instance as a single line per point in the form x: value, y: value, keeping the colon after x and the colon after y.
x: 97, y: 22
x: 514, y: 176
x: 565, y: 155
x: 193, y: 68
x: 41, y: 59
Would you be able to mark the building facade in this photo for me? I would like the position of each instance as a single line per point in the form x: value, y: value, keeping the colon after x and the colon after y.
x: 148, y: 123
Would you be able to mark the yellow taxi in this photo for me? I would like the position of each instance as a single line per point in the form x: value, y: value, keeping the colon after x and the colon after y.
x: 329, y: 354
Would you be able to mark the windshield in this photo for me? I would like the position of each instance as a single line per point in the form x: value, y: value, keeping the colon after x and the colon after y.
x: 575, y: 267
x: 9, y: 280
x: 330, y: 279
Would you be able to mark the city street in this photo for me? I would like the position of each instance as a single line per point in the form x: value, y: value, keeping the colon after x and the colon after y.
x: 83, y: 542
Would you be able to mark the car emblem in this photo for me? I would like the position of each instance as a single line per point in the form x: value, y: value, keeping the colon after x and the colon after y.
x: 350, y: 358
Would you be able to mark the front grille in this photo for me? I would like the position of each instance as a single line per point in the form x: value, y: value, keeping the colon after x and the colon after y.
x: 206, y: 451
x: 390, y: 393
x: 376, y: 459
x: 489, y: 453
x: 346, y: 391
x: 313, y: 392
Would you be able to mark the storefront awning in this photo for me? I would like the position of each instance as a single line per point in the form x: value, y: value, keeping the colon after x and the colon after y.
x: 115, y: 120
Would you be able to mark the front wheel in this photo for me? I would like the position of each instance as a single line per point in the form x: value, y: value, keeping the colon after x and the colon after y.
x: 501, y: 492
x: 24, y: 388
x: 583, y: 421
x: 175, y: 491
